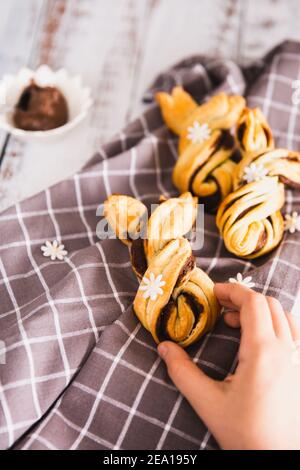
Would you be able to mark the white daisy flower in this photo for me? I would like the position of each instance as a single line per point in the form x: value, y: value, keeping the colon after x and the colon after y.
x: 198, y: 133
x: 54, y: 250
x: 152, y: 286
x: 247, y: 281
x: 254, y: 172
x: 292, y: 222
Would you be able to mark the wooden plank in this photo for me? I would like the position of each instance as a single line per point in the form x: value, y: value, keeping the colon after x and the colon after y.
x: 19, y: 22
x: 118, y: 47
x: 178, y: 29
x: 98, y: 40
x: 265, y: 24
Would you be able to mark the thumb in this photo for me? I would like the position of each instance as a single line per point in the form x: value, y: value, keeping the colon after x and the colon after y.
x: 204, y: 394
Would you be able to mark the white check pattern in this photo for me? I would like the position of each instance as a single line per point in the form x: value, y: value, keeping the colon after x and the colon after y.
x: 85, y: 371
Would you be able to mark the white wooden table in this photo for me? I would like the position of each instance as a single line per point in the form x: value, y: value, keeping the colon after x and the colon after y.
x: 118, y: 46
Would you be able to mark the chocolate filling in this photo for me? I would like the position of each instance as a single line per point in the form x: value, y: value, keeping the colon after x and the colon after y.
x: 240, y: 134
x: 40, y: 108
x: 290, y: 183
x: 138, y: 258
x: 225, y: 140
x: 212, y: 202
x: 236, y: 156
x: 188, y: 266
x: 261, y: 241
x: 292, y: 158
x: 161, y: 326
x: 268, y: 134
x: 196, y: 307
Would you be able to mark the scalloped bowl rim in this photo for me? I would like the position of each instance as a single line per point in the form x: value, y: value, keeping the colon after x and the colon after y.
x: 7, y: 126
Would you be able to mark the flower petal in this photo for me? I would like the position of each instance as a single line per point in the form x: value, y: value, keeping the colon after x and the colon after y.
x: 143, y: 287
x: 153, y: 295
x: 251, y: 284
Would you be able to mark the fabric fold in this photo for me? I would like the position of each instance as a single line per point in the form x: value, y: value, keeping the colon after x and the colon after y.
x: 81, y: 372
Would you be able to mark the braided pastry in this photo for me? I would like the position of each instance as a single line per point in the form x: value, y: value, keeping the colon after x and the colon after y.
x: 175, y: 299
x: 250, y: 220
x: 176, y: 107
x: 279, y: 162
x: 253, y: 133
x: 206, y: 147
x: 206, y: 169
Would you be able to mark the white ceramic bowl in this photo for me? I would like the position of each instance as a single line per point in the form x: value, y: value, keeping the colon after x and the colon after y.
x: 77, y: 96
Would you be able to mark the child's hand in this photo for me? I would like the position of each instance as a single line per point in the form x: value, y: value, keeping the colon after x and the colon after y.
x: 259, y: 406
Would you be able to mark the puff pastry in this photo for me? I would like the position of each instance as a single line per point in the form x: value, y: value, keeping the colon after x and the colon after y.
x: 205, y: 165
x: 250, y: 220
x: 181, y: 305
x: 207, y: 169
x: 253, y: 132
x: 279, y: 162
x: 220, y: 112
x: 176, y: 107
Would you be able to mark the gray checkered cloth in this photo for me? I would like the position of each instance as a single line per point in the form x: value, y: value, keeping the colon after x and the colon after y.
x: 81, y: 372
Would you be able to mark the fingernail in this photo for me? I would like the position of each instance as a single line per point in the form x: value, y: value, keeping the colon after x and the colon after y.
x: 162, y: 350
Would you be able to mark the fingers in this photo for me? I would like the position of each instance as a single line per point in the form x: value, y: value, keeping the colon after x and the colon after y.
x: 255, y: 317
x: 232, y: 319
x: 204, y: 394
x: 294, y: 328
x: 260, y: 316
x: 280, y: 323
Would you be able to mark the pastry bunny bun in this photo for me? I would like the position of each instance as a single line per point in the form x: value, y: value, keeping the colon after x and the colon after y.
x: 205, y: 164
x: 175, y: 299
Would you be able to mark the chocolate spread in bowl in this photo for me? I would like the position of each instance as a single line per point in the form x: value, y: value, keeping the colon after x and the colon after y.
x: 40, y: 108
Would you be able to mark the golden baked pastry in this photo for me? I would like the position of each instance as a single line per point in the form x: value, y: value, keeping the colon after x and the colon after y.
x: 279, y: 162
x: 253, y: 133
x: 207, y: 169
x: 175, y: 299
x: 180, y: 111
x: 250, y: 220
x: 176, y: 107
x: 125, y: 215
x: 204, y: 165
x: 220, y: 112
